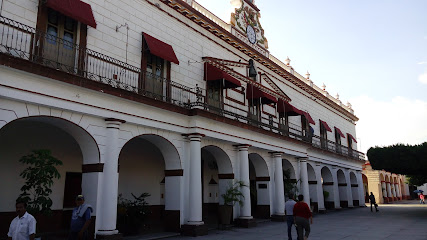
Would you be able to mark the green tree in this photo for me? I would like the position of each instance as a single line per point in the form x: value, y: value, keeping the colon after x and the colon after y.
x: 409, y: 160
x: 39, y: 176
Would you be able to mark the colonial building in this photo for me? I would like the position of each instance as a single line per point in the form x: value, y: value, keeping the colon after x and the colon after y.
x: 387, y: 187
x: 182, y: 101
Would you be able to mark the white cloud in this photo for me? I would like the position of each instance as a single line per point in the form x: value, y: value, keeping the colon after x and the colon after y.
x: 400, y: 120
x: 423, y: 78
x: 422, y: 63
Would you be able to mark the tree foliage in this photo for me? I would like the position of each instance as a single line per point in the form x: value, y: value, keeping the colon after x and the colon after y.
x: 39, y: 176
x: 233, y: 194
x: 402, y: 159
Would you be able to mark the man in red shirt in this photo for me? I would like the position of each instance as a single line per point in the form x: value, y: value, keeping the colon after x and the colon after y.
x: 302, y: 214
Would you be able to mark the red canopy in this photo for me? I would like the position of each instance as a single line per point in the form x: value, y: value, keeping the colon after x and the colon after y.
x: 160, y: 49
x: 286, y: 107
x: 75, y: 9
x: 253, y: 92
x: 339, y: 132
x: 325, y: 125
x: 213, y: 73
x: 308, y: 117
x: 351, y: 136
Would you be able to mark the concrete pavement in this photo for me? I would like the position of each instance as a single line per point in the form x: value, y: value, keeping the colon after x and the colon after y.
x: 404, y: 220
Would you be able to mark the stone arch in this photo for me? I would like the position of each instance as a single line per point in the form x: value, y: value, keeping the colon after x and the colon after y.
x: 328, y: 186
x: 68, y: 141
x: 312, y: 186
x: 217, y: 175
x: 342, y: 188
x: 366, y: 187
x: 151, y: 163
x: 354, y: 189
x: 290, y: 182
x: 259, y: 185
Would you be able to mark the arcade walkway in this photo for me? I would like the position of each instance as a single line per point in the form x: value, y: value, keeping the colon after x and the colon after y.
x: 404, y: 220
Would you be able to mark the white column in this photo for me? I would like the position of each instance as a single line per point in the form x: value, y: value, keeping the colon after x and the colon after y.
x: 384, y: 189
x: 304, y: 180
x: 279, y: 200
x: 389, y: 190
x: 195, y: 193
x: 349, y: 190
x: 360, y: 189
x: 245, y: 210
x: 336, y: 189
x: 110, y: 180
x: 320, y: 198
x: 397, y: 187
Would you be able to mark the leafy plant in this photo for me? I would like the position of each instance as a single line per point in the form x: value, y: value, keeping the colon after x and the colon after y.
x: 290, y: 187
x: 131, y: 214
x: 325, y: 194
x: 233, y: 194
x: 39, y: 176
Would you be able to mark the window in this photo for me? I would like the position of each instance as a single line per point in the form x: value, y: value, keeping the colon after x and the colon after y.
x: 154, y: 72
x: 337, y: 141
x: 214, y: 94
x: 255, y: 109
x: 59, y: 42
x: 284, y: 122
x: 323, y: 136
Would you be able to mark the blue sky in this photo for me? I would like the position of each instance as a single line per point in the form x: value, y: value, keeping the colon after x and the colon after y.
x: 372, y: 52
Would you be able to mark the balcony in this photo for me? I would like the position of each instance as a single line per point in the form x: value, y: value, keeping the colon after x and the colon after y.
x: 25, y: 43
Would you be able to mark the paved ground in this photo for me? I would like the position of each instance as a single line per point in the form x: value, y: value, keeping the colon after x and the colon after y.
x: 406, y: 220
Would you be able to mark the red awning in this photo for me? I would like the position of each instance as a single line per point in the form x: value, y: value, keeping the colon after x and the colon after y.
x: 339, y: 132
x: 253, y: 92
x: 160, y: 49
x: 75, y: 9
x: 351, y: 136
x: 325, y: 125
x: 284, y: 106
x: 213, y: 73
x: 308, y: 117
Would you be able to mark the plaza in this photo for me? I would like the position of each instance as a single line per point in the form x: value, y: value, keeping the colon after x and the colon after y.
x: 403, y: 220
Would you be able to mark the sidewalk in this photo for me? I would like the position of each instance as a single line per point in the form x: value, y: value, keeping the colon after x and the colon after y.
x: 403, y: 220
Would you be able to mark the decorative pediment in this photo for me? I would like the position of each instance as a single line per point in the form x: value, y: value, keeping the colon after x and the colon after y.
x: 248, y: 15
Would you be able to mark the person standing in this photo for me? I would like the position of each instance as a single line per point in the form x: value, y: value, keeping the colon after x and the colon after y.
x: 289, y: 211
x: 23, y: 226
x: 373, y: 202
x: 80, y: 220
x: 422, y: 198
x: 302, y: 215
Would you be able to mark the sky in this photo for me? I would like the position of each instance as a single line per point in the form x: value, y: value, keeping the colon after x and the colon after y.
x: 373, y: 53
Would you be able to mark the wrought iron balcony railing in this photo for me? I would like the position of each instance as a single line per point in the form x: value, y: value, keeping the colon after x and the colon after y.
x: 22, y: 41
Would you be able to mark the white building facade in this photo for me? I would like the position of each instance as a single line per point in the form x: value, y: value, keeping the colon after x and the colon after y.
x: 161, y: 96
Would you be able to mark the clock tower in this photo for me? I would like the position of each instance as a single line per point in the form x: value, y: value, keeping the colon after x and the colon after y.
x: 246, y: 25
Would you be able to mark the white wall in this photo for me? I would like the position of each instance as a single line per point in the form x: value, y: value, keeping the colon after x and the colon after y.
x: 141, y: 170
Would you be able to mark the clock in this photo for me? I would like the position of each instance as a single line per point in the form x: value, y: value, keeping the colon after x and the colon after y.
x: 250, y: 32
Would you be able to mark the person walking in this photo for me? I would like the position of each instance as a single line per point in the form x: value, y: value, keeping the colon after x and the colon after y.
x: 289, y: 211
x: 302, y: 215
x: 422, y: 198
x: 373, y: 202
x: 23, y: 226
x: 80, y: 220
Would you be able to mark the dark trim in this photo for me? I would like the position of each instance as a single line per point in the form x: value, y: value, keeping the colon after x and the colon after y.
x: 189, y: 134
x: 291, y: 180
x: 342, y: 184
x: 312, y: 182
x: 328, y: 183
x: 354, y: 185
x: 114, y: 120
x: 226, y: 176
x: 95, y: 167
x: 259, y: 179
x: 174, y: 172
x: 242, y: 145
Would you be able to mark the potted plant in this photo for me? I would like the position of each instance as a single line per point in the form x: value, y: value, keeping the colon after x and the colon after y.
x: 39, y: 177
x: 231, y: 196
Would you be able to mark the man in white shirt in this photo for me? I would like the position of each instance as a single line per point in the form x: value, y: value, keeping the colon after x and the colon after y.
x: 289, y: 210
x: 23, y: 227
